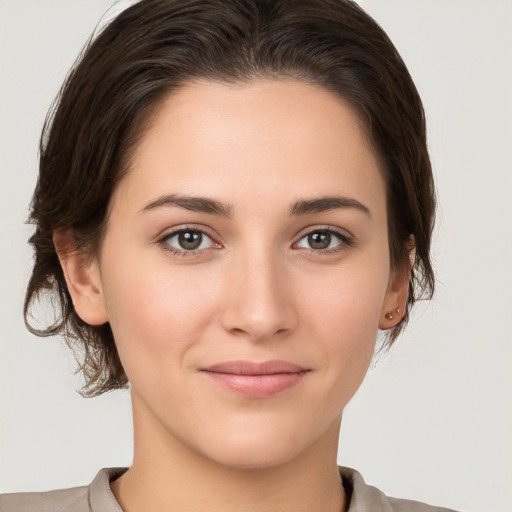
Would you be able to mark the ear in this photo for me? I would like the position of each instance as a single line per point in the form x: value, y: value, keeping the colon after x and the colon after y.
x: 393, y: 307
x: 83, y: 279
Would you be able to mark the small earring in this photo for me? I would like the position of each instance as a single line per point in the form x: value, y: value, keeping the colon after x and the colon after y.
x: 389, y: 315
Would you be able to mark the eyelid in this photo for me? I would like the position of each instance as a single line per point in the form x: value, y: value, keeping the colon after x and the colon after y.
x: 324, y: 227
x: 175, y: 230
x: 346, y: 238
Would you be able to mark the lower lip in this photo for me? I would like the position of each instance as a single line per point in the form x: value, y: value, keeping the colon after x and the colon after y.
x: 257, y: 386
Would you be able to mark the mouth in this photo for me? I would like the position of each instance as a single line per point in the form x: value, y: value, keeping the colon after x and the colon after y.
x: 256, y: 380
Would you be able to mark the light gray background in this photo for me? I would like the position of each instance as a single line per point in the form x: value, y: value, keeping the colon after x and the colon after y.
x: 433, y: 419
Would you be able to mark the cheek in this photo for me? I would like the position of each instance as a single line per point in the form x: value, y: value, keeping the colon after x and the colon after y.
x: 346, y: 300
x: 343, y: 314
x: 156, y: 314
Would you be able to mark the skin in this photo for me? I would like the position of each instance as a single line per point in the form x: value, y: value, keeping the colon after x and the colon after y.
x: 255, y: 290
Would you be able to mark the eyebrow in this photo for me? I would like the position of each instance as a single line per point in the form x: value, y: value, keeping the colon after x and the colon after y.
x: 193, y: 203
x: 324, y: 204
x: 210, y: 206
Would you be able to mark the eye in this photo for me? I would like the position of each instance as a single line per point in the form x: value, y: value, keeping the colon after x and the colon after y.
x: 323, y: 239
x: 188, y: 240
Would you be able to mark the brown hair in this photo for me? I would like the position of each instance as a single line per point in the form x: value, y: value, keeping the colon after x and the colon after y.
x: 155, y: 46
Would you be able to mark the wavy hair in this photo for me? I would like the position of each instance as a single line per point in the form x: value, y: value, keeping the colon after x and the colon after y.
x: 156, y: 46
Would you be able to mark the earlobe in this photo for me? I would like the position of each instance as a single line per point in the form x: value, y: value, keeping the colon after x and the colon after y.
x: 395, y: 302
x: 393, y: 308
x: 82, y: 278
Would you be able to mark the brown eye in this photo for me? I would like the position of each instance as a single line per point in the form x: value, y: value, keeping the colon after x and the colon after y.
x: 322, y: 239
x: 188, y: 240
x: 319, y: 240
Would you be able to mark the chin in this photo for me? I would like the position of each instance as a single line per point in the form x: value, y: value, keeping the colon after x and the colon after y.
x: 259, y: 448
x: 253, y: 459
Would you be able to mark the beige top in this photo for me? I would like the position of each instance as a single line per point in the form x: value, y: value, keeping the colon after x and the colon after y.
x: 98, y: 497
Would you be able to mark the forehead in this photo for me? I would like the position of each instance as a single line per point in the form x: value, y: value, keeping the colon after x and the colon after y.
x: 209, y: 137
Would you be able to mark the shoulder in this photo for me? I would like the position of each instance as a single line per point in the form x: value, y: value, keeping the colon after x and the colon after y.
x: 366, y: 498
x: 63, y: 500
x: 96, y: 497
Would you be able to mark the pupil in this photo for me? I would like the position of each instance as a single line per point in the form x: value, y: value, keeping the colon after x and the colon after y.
x: 190, y: 240
x: 319, y: 240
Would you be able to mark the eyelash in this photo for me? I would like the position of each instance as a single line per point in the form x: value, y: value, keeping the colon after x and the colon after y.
x: 164, y: 241
x: 346, y: 241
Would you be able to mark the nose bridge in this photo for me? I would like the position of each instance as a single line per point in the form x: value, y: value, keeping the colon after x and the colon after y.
x: 260, y: 303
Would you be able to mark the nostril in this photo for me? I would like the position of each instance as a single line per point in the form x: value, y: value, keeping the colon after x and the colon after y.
x: 258, y: 303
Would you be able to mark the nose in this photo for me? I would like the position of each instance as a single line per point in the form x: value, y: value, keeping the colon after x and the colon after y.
x: 259, y: 301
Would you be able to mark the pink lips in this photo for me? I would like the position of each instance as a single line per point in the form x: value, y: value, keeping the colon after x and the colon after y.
x: 256, y: 380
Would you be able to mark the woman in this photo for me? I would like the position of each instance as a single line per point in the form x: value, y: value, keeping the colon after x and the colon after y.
x: 234, y: 197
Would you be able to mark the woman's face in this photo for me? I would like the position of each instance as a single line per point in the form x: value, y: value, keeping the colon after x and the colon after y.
x: 250, y: 228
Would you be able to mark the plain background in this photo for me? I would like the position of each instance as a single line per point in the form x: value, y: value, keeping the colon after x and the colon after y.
x: 433, y: 420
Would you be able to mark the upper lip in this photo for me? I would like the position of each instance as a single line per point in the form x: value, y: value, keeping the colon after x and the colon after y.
x: 254, y: 368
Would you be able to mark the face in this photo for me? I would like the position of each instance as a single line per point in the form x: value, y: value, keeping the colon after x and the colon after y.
x: 245, y: 270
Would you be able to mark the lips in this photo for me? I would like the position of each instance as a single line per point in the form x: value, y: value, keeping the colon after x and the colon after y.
x: 256, y: 380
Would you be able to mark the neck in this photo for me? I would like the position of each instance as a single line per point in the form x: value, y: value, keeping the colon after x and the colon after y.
x: 169, y: 476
